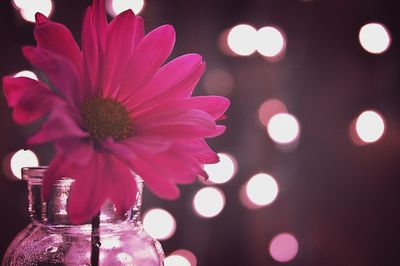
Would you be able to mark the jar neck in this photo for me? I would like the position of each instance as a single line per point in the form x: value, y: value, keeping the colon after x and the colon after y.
x: 54, y: 211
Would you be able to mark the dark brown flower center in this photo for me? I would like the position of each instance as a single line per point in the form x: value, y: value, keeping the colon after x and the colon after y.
x: 105, y: 117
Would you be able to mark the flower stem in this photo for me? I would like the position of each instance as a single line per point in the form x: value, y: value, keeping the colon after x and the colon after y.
x: 95, y: 238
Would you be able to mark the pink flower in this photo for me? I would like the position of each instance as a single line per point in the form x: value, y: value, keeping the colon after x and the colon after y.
x: 115, y: 108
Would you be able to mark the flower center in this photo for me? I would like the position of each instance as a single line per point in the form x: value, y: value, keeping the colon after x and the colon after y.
x: 105, y: 117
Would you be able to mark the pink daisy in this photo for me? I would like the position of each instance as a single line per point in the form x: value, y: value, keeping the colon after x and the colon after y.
x: 115, y: 108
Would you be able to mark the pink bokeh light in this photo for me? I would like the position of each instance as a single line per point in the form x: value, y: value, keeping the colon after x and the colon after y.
x: 283, y: 247
x: 188, y: 255
x: 269, y: 108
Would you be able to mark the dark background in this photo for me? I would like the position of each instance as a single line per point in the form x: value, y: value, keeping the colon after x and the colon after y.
x: 340, y: 200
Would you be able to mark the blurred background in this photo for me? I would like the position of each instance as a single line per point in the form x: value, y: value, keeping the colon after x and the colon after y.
x: 309, y: 171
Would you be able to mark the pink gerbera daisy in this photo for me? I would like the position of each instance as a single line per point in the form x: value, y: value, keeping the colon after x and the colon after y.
x: 115, y: 108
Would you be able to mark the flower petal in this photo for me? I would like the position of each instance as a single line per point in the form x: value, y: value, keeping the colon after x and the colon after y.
x: 57, y: 38
x: 150, y: 54
x: 219, y: 130
x: 166, y: 77
x: 119, y: 48
x: 197, y: 148
x: 124, y: 190
x: 58, y: 168
x: 59, y: 71
x: 94, y: 32
x: 100, y: 21
x: 90, y: 53
x: 178, y: 167
x: 130, y: 148
x: 163, y: 88
x: 119, y: 149
x: 177, y: 124
x: 59, y: 125
x: 139, y: 33
x: 192, y: 117
x: 76, y: 150
x: 213, y: 105
x: 30, y: 98
x: 155, y: 180
x: 147, y: 144
x: 90, y: 189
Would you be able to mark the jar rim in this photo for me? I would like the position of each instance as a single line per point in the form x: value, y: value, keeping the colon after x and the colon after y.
x: 33, y: 173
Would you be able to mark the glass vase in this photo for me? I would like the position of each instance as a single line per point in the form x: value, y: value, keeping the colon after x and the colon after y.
x: 50, y: 239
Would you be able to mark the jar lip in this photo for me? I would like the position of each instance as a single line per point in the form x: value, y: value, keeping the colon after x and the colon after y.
x: 33, y: 173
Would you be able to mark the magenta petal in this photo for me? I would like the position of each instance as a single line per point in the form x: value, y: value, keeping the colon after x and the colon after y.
x: 213, y: 105
x: 94, y: 32
x: 90, y: 53
x: 195, y: 118
x: 206, y: 156
x: 147, y: 144
x: 181, y: 89
x: 119, y: 48
x: 155, y: 180
x: 139, y: 32
x: 130, y: 148
x: 100, y: 21
x: 76, y: 150
x: 167, y: 77
x: 180, y: 132
x: 90, y: 189
x: 124, y: 190
x: 219, y: 130
x: 150, y: 54
x: 179, y: 168
x: 183, y: 124
x: 59, y: 71
x: 50, y: 176
x: 40, y: 18
x: 57, y: 38
x: 197, y: 148
x: 59, y: 125
x: 120, y: 149
x: 30, y: 99
x: 58, y: 168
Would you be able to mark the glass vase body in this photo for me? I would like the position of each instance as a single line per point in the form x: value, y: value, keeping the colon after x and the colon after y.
x: 50, y: 239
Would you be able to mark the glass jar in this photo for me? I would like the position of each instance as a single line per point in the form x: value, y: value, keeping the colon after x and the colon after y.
x: 50, y: 239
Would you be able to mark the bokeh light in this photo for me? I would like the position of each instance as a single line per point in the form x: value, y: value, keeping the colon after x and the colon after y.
x: 187, y: 254
x: 283, y: 128
x: 176, y: 260
x: 374, y: 38
x: 261, y: 190
x: 159, y: 223
x: 222, y: 43
x: 23, y: 158
x: 270, y: 108
x: 370, y: 126
x: 271, y: 42
x: 208, y: 202
x: 20, y: 3
x: 115, y: 7
x: 29, y: 8
x: 283, y: 247
x: 242, y: 39
x: 353, y: 133
x: 27, y: 74
x: 222, y: 171
x: 218, y: 81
